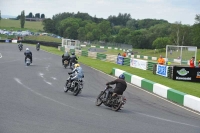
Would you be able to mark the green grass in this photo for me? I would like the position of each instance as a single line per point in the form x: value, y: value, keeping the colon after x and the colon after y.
x: 15, y: 25
x: 43, y: 38
x: 186, y: 87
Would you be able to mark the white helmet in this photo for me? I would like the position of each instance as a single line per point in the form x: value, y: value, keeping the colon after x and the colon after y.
x: 27, y: 48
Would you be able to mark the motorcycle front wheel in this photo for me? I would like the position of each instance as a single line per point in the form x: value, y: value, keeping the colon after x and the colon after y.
x: 65, y: 87
x: 99, y: 100
x: 76, y: 90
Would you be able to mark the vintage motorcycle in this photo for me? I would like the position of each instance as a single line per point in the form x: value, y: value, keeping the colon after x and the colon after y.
x: 28, y: 62
x: 20, y: 48
x: 114, y: 101
x: 66, y: 64
x: 75, y: 87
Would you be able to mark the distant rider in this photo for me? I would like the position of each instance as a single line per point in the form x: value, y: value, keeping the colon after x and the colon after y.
x: 65, y: 56
x: 78, y: 73
x: 28, y: 54
x: 73, y: 59
x: 20, y: 45
x: 120, y: 87
x: 38, y: 45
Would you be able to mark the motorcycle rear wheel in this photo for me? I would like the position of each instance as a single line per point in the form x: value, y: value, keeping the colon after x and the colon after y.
x: 99, y: 100
x: 117, y: 107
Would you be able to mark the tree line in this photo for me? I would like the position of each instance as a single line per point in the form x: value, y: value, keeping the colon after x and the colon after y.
x: 145, y: 33
x: 30, y: 15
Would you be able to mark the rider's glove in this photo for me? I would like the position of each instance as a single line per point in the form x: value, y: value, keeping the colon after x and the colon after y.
x: 69, y: 73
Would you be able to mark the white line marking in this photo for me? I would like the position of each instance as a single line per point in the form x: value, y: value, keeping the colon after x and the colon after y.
x: 167, y: 120
x: 47, y: 68
x: 54, y: 78
x: 42, y: 75
x: 142, y: 90
x: 39, y: 94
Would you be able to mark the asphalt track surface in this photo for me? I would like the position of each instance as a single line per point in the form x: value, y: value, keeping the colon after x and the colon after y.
x: 32, y: 101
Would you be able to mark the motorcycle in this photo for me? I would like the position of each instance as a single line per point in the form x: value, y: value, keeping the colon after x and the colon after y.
x: 75, y: 87
x: 20, y: 48
x: 37, y: 48
x: 66, y: 64
x: 28, y: 62
x: 115, y: 102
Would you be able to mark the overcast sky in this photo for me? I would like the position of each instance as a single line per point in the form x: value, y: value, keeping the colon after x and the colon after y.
x: 170, y: 10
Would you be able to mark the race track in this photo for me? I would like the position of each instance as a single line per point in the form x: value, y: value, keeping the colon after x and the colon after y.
x: 32, y: 100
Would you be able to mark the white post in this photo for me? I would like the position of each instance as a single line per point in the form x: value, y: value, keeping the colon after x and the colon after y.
x: 181, y: 54
x: 166, y: 55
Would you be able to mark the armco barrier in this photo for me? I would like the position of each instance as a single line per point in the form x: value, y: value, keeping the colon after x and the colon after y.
x: 178, y: 97
x: 62, y: 49
x: 150, y: 65
x: 101, y: 56
x: 84, y: 53
x: 72, y: 50
x: 126, y: 62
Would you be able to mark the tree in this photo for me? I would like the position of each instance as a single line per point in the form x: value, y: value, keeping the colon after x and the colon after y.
x: 30, y: 15
x: 0, y: 14
x: 197, y: 19
x: 161, y: 42
x: 48, y: 25
x: 81, y: 34
x: 22, y: 19
x: 196, y: 31
x: 37, y: 15
x: 42, y: 16
x: 69, y: 28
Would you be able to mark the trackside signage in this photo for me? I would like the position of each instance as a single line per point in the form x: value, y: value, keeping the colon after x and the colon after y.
x: 141, y: 64
x: 120, y: 60
x: 162, y: 70
x: 186, y: 74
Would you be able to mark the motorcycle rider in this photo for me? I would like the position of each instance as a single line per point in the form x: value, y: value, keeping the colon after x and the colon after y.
x: 38, y: 45
x: 65, y: 56
x: 78, y: 73
x: 73, y: 59
x: 28, y: 54
x: 20, y: 45
x: 120, y: 87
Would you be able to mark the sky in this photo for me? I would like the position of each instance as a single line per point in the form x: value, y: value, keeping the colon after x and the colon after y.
x: 170, y: 10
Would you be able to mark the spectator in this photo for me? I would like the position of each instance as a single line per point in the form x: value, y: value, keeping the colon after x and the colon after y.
x: 198, y: 64
x: 170, y: 52
x: 124, y: 54
x: 161, y: 60
x: 192, y: 62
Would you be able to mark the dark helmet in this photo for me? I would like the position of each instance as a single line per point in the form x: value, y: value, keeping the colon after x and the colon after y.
x: 121, y: 76
x: 73, y: 53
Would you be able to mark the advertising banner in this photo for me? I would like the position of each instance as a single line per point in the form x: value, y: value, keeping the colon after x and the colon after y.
x: 141, y: 64
x: 162, y: 70
x: 120, y: 60
x: 186, y: 74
